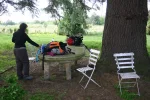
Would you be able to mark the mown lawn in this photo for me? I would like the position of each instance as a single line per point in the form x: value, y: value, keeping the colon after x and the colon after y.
x: 6, y: 46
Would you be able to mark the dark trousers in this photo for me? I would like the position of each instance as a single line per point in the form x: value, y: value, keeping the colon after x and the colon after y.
x: 22, y: 62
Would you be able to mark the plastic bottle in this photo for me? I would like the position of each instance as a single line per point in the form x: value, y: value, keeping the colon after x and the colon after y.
x: 52, y: 39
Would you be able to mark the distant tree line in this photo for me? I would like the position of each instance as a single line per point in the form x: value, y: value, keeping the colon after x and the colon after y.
x: 96, y: 20
x: 9, y: 22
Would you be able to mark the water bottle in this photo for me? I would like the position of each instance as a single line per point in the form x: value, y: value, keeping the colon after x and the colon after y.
x: 42, y: 50
x: 52, y: 39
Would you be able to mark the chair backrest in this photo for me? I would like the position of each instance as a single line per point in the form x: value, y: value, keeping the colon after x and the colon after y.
x: 124, y: 60
x: 94, y: 55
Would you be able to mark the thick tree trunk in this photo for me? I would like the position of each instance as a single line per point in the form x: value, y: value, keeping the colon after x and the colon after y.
x: 125, y: 31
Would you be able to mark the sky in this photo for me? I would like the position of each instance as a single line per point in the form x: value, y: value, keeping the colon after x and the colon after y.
x: 27, y: 16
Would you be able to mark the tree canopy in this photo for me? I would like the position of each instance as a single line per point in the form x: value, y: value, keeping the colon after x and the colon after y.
x: 73, y: 18
x: 19, y: 5
x: 55, y: 6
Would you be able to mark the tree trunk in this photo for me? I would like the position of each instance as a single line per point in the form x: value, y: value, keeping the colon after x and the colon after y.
x: 125, y: 31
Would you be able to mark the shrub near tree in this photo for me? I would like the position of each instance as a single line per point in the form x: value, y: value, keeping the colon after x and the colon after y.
x: 95, y: 20
x: 73, y: 21
x: 102, y: 20
x: 9, y: 22
x: 148, y: 28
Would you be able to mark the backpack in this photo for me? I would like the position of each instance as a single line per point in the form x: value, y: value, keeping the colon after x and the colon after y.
x: 54, y: 47
x: 74, y: 40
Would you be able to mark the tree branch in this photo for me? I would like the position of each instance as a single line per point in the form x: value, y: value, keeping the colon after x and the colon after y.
x: 21, y: 5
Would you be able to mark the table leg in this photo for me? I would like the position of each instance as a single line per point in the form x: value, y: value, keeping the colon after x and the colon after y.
x: 46, y: 71
x: 68, y: 71
x: 75, y: 62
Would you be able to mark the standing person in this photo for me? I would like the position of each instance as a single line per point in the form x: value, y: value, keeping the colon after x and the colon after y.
x: 20, y: 52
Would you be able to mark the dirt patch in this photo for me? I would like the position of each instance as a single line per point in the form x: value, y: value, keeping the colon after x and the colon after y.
x: 72, y: 90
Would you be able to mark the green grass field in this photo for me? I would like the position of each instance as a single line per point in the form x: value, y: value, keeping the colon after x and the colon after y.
x: 42, y: 35
x: 6, y: 46
x: 51, y: 28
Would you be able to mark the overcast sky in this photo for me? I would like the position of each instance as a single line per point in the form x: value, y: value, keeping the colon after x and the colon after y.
x: 27, y: 16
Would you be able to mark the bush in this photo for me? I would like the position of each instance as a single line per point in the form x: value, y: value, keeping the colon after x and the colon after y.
x: 13, y: 91
x: 10, y: 30
x: 42, y: 96
x: 148, y: 28
x: 9, y: 22
x: 3, y: 30
x: 15, y: 29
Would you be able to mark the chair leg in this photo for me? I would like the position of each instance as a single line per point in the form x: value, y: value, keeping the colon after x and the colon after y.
x: 89, y: 81
x: 92, y: 81
x: 120, y: 87
x: 81, y: 79
x: 95, y: 82
x: 135, y: 83
x: 120, y: 84
x: 137, y: 86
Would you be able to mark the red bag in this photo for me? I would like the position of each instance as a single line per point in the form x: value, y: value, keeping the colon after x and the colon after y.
x: 70, y: 41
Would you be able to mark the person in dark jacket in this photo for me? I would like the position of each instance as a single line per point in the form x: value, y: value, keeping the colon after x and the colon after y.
x: 20, y: 52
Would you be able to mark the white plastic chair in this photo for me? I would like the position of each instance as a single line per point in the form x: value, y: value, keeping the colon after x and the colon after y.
x: 94, y: 54
x: 32, y: 58
x: 125, y: 62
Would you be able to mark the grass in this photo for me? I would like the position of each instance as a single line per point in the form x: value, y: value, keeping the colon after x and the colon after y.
x: 6, y: 52
x: 45, y: 36
x: 42, y: 96
x: 11, y: 90
x: 6, y: 62
x: 6, y: 45
x: 51, y: 28
x: 126, y: 95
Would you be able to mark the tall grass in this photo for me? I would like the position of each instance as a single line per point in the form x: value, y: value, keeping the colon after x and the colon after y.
x: 6, y: 45
x: 148, y: 43
x: 5, y: 42
x: 50, y: 28
x: 93, y: 41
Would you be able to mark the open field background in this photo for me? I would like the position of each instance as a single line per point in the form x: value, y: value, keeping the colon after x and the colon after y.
x: 42, y: 35
x: 50, y: 28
